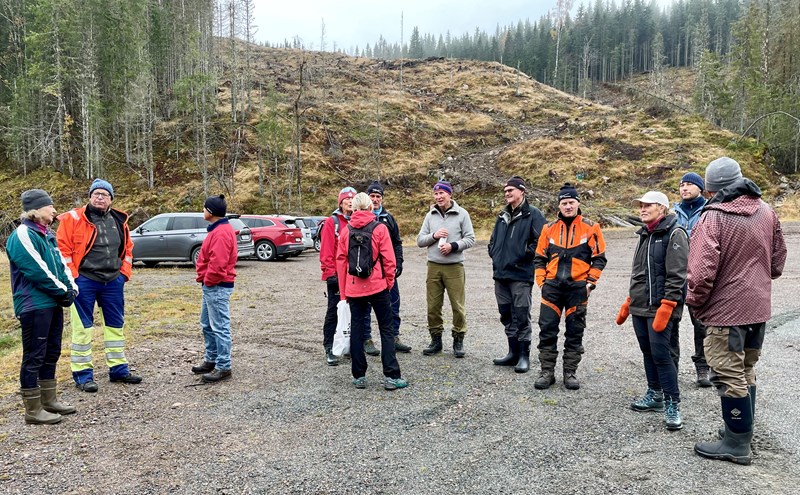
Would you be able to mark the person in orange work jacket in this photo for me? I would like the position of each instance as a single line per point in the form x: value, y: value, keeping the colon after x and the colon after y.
x: 96, y: 244
x: 569, y: 258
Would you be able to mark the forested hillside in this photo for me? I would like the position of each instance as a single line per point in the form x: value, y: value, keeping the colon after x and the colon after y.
x: 169, y: 101
x: 746, y: 54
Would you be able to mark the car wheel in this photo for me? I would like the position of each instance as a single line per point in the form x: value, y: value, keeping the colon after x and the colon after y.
x: 265, y: 251
x: 150, y: 264
x: 195, y: 255
x: 316, y: 244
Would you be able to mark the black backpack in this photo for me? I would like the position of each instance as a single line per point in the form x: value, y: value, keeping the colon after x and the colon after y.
x: 359, y: 253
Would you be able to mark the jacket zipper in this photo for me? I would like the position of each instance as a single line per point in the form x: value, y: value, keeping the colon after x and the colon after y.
x: 649, y: 281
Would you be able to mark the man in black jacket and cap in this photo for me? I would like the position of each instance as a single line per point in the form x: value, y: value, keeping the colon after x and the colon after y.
x: 512, y: 248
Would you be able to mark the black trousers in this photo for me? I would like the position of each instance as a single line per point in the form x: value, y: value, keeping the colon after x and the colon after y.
x: 329, y: 325
x: 359, y: 310
x: 572, y: 302
x: 41, y: 345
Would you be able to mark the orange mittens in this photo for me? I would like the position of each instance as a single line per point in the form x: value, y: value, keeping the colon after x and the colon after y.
x: 663, y: 314
x: 624, y: 311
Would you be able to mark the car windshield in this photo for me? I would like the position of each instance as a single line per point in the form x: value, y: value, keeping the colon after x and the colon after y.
x: 236, y: 223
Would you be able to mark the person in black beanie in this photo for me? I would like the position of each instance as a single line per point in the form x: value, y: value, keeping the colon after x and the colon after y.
x: 512, y: 270
x: 376, y: 194
x: 688, y: 212
x: 570, y: 256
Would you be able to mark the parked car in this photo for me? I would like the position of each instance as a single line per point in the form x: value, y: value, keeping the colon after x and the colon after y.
x: 315, y: 230
x: 299, y: 222
x: 178, y: 237
x: 273, y: 239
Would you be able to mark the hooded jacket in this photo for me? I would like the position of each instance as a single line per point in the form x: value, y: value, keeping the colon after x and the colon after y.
x: 659, y: 268
x: 76, y: 235
x: 39, y: 274
x: 737, y: 250
x: 512, y: 245
x: 382, y: 276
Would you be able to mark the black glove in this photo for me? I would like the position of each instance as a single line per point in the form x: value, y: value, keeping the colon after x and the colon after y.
x: 333, y: 279
x: 398, y: 270
x: 67, y: 299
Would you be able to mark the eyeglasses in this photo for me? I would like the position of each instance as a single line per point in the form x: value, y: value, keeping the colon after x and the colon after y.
x: 101, y: 195
x: 506, y: 191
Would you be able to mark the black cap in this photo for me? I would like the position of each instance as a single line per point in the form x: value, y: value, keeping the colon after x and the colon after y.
x: 375, y: 187
x: 216, y: 205
x: 517, y: 182
x: 568, y: 191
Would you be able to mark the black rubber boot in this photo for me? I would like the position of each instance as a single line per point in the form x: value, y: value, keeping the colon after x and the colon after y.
x: 512, y: 357
x: 435, y: 347
x: 458, y: 345
x: 524, y: 363
x: 735, y: 446
x: 752, y: 390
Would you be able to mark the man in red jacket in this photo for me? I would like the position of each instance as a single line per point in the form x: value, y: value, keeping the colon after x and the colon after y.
x: 737, y: 250
x: 215, y: 270
x: 329, y: 240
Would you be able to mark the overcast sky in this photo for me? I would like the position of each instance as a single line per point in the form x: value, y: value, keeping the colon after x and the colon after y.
x: 357, y: 22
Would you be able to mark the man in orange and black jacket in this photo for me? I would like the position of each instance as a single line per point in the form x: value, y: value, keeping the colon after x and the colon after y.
x: 569, y: 258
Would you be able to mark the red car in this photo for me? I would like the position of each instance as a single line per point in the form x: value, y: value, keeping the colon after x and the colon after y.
x: 273, y: 239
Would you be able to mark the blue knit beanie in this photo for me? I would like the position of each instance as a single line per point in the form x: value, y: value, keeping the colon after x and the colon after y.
x: 693, y: 178
x: 101, y: 184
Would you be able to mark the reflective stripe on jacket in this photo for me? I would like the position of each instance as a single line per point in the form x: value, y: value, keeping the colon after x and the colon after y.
x: 570, y: 254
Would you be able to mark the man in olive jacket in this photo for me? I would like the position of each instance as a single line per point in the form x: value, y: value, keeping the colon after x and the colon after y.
x: 512, y: 248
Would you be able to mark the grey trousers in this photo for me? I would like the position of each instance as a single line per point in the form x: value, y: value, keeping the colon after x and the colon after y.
x: 514, y: 304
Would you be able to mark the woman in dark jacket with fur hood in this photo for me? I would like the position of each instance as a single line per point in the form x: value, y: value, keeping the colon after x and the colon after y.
x: 655, y: 303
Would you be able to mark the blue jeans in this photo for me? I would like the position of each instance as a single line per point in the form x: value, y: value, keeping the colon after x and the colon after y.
x: 659, y: 368
x: 394, y: 299
x: 215, y: 320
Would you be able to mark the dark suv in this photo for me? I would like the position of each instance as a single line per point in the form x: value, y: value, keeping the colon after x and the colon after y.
x: 178, y: 237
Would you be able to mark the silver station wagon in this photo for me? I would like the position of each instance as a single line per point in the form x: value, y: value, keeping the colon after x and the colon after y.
x: 178, y: 237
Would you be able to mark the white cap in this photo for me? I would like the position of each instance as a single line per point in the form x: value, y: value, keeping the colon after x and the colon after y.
x: 652, y: 197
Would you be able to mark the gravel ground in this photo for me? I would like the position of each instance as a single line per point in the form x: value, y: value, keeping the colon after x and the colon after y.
x: 287, y: 423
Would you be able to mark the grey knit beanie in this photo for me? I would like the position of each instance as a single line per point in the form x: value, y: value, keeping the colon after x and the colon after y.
x: 33, y: 199
x: 721, y: 173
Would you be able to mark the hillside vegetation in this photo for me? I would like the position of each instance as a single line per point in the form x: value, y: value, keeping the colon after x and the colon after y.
x: 473, y: 123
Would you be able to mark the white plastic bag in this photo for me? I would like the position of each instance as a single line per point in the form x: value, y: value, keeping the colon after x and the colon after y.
x: 341, y: 340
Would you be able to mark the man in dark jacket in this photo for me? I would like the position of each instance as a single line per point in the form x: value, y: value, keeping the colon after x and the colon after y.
x: 688, y: 212
x: 737, y: 250
x: 512, y: 248
x: 376, y: 192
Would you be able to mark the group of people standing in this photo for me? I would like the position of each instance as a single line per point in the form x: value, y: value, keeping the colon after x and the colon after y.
x: 737, y: 249
x: 716, y: 254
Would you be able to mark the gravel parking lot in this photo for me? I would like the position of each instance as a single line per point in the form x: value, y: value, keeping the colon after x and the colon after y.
x: 287, y: 423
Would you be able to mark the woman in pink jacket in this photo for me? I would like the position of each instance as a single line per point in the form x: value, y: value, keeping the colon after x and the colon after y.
x: 366, y: 274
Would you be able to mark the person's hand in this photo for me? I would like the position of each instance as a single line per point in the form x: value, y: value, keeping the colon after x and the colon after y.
x: 398, y: 270
x: 445, y: 249
x: 624, y: 311
x: 67, y: 299
x: 441, y: 234
x: 663, y: 314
